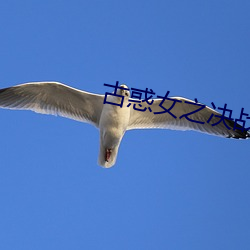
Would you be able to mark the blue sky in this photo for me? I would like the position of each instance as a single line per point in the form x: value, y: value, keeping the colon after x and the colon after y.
x: 169, y: 189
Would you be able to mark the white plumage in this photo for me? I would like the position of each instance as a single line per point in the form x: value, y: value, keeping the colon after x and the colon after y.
x: 113, y: 121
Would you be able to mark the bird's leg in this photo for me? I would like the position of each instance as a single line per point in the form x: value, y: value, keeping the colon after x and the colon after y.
x: 108, y: 154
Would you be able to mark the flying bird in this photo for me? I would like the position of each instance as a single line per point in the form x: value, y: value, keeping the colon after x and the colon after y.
x: 113, y: 121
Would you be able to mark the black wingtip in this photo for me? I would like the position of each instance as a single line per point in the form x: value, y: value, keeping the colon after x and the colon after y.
x: 238, y: 132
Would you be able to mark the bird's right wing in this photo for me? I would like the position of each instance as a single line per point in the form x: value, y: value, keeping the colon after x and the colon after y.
x: 54, y: 98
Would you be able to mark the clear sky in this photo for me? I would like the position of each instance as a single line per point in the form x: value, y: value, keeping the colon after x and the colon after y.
x: 169, y: 189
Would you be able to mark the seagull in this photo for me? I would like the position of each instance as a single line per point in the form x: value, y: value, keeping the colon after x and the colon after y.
x: 113, y: 121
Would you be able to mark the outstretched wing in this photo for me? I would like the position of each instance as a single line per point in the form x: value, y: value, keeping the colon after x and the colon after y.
x: 147, y: 119
x: 55, y: 99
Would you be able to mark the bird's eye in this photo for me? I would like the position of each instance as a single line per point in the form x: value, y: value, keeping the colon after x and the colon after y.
x: 126, y: 93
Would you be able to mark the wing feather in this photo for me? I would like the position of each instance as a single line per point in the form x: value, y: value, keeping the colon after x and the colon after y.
x: 54, y: 98
x: 148, y: 120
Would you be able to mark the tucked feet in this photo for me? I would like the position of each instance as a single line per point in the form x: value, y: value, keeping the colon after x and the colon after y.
x: 108, y: 154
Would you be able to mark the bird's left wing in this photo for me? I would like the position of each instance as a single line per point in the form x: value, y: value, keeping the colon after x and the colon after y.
x: 205, y: 118
x: 54, y: 98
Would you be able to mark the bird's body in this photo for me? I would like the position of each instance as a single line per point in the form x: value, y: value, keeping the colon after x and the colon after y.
x: 113, y: 120
x: 113, y: 125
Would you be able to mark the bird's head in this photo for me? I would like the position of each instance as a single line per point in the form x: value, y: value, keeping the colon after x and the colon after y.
x: 124, y: 91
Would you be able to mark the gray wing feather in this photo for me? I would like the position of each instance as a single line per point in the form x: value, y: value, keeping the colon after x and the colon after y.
x: 147, y: 119
x: 54, y: 98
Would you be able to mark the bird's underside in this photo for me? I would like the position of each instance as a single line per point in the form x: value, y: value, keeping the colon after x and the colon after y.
x: 58, y: 99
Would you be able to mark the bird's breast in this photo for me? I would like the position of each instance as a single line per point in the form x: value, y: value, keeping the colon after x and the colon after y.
x: 114, y: 120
